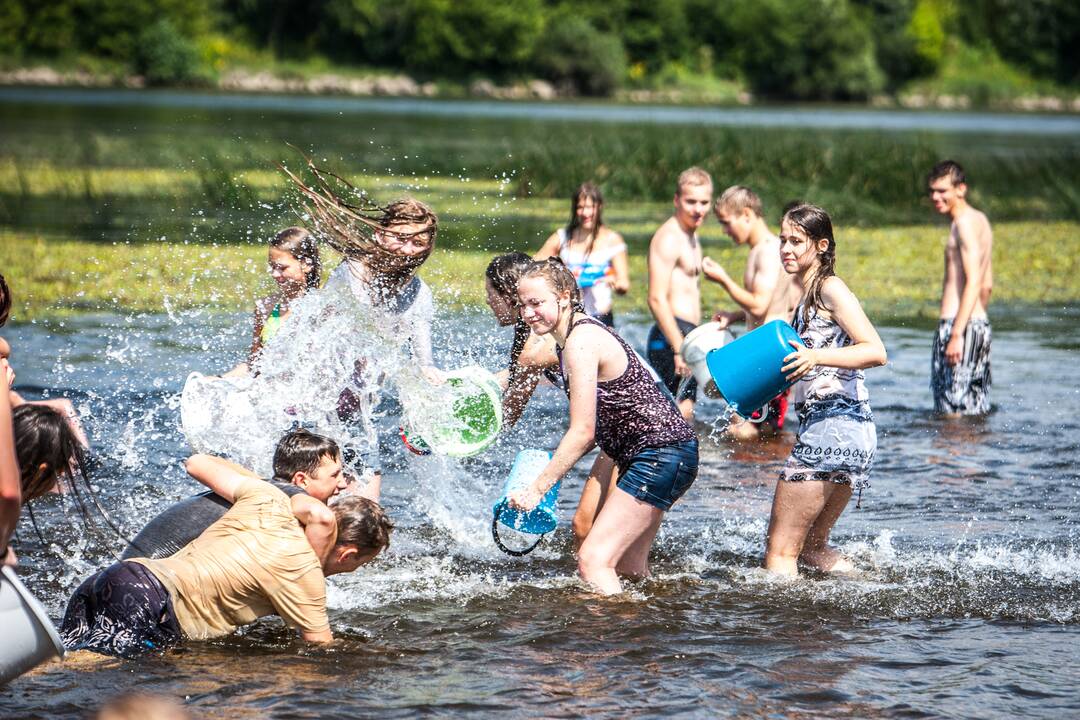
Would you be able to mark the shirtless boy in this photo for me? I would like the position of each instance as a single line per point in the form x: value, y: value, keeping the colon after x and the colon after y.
x: 960, y: 360
x: 674, y: 284
x: 769, y: 292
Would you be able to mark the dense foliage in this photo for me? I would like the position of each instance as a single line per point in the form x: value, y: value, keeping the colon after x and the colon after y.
x: 795, y: 49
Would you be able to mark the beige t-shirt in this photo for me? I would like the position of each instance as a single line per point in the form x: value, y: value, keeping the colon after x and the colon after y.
x: 254, y: 561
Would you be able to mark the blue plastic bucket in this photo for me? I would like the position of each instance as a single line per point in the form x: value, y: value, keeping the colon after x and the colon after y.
x: 747, y: 371
x: 540, y: 520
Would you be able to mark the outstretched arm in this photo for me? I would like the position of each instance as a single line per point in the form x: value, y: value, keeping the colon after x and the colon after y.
x: 763, y: 279
x: 538, y: 353
x: 582, y: 360
x: 220, y: 475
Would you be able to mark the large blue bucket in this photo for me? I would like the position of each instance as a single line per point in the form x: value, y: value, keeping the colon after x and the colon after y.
x: 540, y: 520
x: 747, y: 370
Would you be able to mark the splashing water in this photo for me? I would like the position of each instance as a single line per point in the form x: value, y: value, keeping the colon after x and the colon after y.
x: 333, y: 341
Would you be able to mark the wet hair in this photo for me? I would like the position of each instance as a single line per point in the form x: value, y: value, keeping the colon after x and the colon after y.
x: 302, y: 451
x: 5, y: 300
x: 347, y: 220
x: 299, y: 243
x: 817, y: 225
x: 361, y: 522
x: 739, y: 197
x: 43, y: 437
x: 693, y: 176
x: 559, y: 279
x: 586, y: 191
x: 949, y: 169
x: 504, y: 271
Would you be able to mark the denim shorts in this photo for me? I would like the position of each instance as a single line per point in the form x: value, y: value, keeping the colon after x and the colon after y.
x: 659, y: 476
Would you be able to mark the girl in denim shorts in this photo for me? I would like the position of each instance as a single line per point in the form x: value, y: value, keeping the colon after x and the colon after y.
x: 614, y: 403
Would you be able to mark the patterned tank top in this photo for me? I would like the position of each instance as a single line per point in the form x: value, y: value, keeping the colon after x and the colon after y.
x: 631, y: 412
x: 823, y: 381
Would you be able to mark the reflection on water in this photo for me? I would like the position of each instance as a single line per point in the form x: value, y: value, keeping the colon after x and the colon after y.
x: 966, y: 600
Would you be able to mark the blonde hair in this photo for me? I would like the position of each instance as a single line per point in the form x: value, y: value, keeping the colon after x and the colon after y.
x: 695, y: 177
x: 739, y: 197
x: 558, y: 277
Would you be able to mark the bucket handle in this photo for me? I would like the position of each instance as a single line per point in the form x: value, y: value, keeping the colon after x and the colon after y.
x: 498, y: 541
x: 764, y: 416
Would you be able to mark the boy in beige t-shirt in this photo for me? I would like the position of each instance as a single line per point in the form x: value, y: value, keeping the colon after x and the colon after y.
x: 254, y: 561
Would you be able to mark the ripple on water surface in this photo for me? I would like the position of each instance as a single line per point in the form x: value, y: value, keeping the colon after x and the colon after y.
x: 965, y: 601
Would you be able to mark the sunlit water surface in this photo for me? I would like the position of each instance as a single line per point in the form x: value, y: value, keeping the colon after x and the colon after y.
x: 967, y: 600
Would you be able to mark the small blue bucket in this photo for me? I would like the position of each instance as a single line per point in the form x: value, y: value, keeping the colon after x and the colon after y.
x: 540, y: 520
x: 747, y: 370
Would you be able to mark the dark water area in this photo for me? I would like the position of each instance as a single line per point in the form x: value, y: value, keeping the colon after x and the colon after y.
x: 966, y: 602
x: 203, y: 166
x: 838, y: 117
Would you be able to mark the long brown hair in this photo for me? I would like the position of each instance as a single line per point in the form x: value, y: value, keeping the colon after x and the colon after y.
x: 350, y: 225
x: 817, y: 225
x: 299, y: 243
x: 586, y: 191
x: 43, y: 438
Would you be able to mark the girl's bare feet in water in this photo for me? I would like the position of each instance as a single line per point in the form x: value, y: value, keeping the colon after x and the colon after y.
x: 826, y: 559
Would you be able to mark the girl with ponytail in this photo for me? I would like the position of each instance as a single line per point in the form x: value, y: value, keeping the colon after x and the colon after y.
x: 615, y: 403
x: 836, y: 440
x: 533, y: 356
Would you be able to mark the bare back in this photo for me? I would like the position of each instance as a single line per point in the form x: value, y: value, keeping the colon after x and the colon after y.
x: 763, y: 268
x: 677, y: 255
x: 970, y: 245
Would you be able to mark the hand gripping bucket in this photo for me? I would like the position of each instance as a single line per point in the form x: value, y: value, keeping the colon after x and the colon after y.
x: 465, y: 425
x: 29, y: 636
x: 695, y: 348
x: 540, y: 520
x: 747, y: 370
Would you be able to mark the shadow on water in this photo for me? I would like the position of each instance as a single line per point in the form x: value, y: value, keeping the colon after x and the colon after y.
x: 967, y: 593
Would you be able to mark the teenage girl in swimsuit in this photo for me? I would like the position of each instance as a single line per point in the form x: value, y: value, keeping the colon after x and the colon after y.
x: 293, y: 262
x: 614, y: 403
x: 836, y: 440
x: 593, y: 252
x: 533, y: 356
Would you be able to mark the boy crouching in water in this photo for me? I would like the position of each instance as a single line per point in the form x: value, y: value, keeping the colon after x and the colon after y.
x: 254, y: 561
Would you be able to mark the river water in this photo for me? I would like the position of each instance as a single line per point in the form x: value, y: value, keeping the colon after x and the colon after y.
x: 812, y: 117
x: 966, y: 603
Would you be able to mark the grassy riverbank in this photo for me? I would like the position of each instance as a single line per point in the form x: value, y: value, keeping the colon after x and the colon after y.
x: 895, y: 271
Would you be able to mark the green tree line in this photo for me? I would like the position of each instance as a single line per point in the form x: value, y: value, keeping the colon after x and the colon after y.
x: 783, y: 49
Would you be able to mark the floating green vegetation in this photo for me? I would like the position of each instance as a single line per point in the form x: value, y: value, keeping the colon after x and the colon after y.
x: 895, y: 271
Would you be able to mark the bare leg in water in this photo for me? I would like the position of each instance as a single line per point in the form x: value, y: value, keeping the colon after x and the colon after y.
x: 803, y: 515
x: 601, y: 476
x: 623, y: 523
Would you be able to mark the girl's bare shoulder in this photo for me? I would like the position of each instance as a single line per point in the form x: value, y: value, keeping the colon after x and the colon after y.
x: 609, y: 238
x: 834, y: 291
